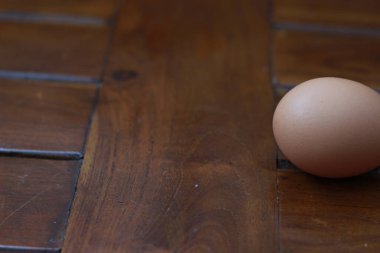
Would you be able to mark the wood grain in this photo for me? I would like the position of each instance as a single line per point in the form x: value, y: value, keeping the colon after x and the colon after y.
x: 44, y: 116
x: 68, y: 50
x: 35, y: 196
x: 299, y: 56
x: 89, y: 8
x: 181, y: 156
x: 322, y: 215
x: 361, y: 14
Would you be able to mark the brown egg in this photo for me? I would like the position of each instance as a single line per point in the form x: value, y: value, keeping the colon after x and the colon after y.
x: 330, y: 127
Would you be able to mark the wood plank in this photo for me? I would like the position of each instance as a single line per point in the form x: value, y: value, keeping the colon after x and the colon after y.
x: 363, y: 14
x: 89, y: 8
x: 68, y: 50
x: 322, y: 215
x: 44, y: 116
x: 35, y: 196
x: 181, y: 155
x: 299, y: 56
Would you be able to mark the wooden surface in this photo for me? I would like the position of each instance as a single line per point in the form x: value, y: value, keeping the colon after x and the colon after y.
x: 74, y: 51
x: 299, y: 56
x: 324, y: 215
x: 181, y: 158
x: 35, y: 197
x: 338, y: 13
x: 44, y: 116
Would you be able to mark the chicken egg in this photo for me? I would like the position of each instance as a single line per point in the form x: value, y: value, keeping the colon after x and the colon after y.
x: 329, y: 127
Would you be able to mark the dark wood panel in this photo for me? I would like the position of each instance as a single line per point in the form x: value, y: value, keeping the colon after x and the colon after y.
x: 35, y: 196
x: 44, y: 116
x: 92, y: 8
x: 181, y: 156
x: 299, y: 56
x: 70, y: 50
x: 324, y: 215
x: 364, y: 13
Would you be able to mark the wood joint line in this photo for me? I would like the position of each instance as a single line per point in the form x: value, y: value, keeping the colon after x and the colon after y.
x: 341, y: 30
x: 41, y: 154
x: 19, y: 75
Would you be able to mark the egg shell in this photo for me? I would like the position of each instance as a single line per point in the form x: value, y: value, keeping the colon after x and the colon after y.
x: 330, y: 127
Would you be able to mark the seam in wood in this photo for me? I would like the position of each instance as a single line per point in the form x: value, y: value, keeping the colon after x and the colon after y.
x: 288, y: 86
x: 59, y: 19
x: 41, y: 154
x: 39, y: 76
x: 278, y: 229
x: 111, y: 35
x: 338, y: 30
x: 271, y: 53
x: 11, y: 248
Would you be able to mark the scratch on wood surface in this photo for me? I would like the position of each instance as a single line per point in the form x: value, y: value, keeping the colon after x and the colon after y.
x: 27, y: 202
x: 180, y: 168
x: 22, y: 206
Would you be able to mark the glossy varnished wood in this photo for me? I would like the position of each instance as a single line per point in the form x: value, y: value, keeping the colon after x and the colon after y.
x: 44, y: 116
x: 346, y: 13
x: 35, y: 197
x: 322, y: 215
x: 53, y: 49
x: 181, y: 156
x: 83, y: 8
x: 299, y: 56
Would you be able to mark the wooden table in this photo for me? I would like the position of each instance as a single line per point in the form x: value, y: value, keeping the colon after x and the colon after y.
x: 145, y: 126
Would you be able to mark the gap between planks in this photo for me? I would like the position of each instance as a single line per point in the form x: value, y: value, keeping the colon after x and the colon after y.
x: 24, y: 249
x: 41, y: 154
x: 60, y: 19
x: 38, y: 76
x: 339, y: 30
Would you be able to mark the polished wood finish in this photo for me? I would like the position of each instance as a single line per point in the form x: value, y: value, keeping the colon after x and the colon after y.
x: 346, y: 13
x: 64, y: 50
x: 181, y: 155
x: 325, y: 215
x: 35, y: 197
x: 37, y: 115
x: 84, y: 8
x: 299, y: 56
